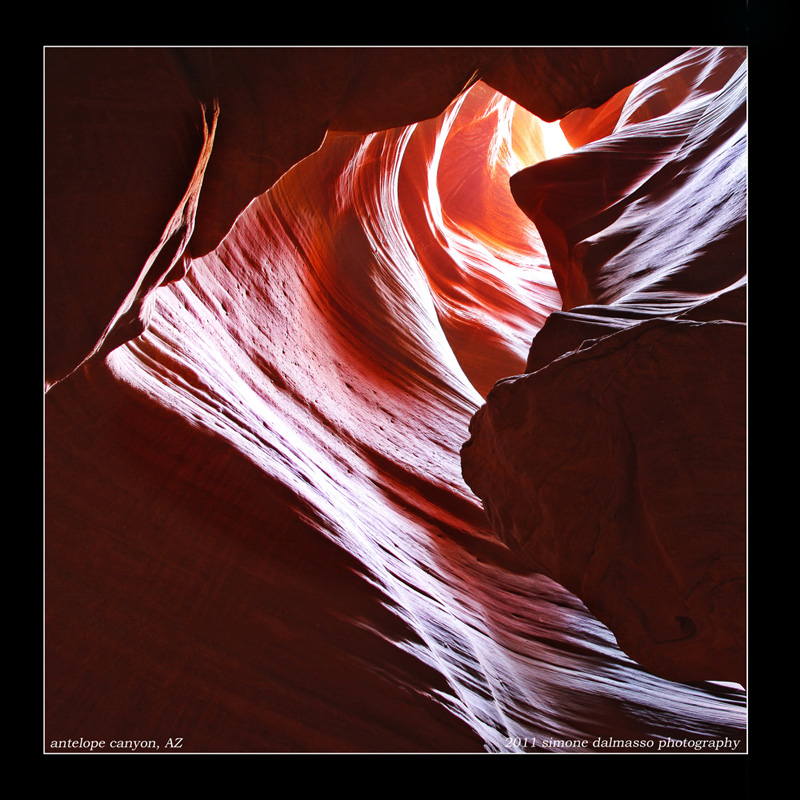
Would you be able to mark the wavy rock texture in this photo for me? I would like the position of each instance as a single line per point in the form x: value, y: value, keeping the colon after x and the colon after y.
x: 617, y: 465
x: 129, y: 133
x: 258, y: 534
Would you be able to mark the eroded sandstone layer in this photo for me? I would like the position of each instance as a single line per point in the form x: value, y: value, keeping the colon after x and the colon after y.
x: 259, y: 538
x: 132, y: 193
x: 617, y: 464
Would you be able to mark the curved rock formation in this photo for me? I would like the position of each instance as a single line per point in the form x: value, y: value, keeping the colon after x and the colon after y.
x: 129, y: 132
x: 258, y: 534
x: 617, y: 465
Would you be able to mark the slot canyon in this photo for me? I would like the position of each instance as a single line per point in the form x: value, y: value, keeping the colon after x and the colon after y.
x: 395, y: 399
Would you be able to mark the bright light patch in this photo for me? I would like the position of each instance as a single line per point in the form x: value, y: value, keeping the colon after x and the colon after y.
x: 534, y: 140
x: 555, y: 143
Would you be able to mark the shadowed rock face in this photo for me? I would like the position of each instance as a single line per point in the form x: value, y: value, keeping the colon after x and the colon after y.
x: 259, y: 537
x: 601, y: 470
x: 625, y: 444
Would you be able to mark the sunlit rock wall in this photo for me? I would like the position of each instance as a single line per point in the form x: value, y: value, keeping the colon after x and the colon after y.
x: 617, y: 464
x: 132, y: 192
x: 259, y: 538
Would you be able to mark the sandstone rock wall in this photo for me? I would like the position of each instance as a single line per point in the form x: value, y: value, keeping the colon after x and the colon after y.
x: 625, y: 443
x: 259, y: 538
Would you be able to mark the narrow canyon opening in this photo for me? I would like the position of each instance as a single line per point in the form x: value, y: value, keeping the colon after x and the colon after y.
x: 416, y: 422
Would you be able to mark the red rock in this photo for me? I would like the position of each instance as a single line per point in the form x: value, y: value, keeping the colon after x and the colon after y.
x: 258, y: 535
x: 617, y: 466
x: 619, y: 471
x: 125, y: 136
x: 600, y: 209
x: 125, y: 144
x: 551, y: 82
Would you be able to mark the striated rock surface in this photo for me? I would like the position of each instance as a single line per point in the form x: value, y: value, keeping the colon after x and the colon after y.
x: 259, y: 538
x: 129, y: 132
x: 617, y: 465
